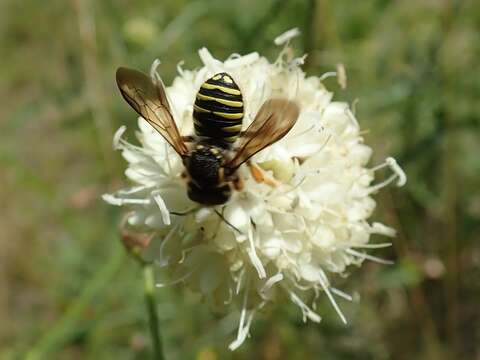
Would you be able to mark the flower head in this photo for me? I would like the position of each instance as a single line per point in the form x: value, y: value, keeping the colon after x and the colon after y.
x: 266, y: 239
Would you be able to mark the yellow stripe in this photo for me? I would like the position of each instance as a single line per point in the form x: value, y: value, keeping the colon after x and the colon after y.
x: 230, y: 138
x: 228, y: 115
x: 200, y: 109
x: 227, y: 79
x: 221, y: 101
x: 221, y: 88
x: 233, y: 128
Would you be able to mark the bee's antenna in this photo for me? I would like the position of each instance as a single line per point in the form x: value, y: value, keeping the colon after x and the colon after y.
x: 188, y: 212
x: 220, y: 215
x: 227, y: 222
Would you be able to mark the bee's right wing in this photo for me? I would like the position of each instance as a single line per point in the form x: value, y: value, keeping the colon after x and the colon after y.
x: 147, y: 96
x: 273, y: 121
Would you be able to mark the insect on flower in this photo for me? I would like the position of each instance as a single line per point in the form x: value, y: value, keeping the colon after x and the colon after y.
x: 291, y: 239
x: 212, y: 156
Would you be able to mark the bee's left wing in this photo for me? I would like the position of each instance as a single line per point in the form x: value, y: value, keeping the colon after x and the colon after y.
x: 274, y: 120
x: 147, y: 96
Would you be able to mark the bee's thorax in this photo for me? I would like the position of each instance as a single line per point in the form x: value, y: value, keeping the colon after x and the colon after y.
x: 205, y: 165
x: 207, y: 183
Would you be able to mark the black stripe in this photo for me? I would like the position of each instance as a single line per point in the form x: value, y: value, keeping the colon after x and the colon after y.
x: 211, y: 128
x: 215, y: 106
x: 217, y: 93
x: 210, y: 119
x: 214, y: 133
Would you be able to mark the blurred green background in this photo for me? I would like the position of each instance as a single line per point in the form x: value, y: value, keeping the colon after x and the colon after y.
x: 67, y: 289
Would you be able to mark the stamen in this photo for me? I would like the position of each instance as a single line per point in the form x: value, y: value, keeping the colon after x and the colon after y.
x: 174, y: 282
x: 335, y: 267
x: 254, y: 257
x: 275, y: 193
x: 134, y: 189
x: 167, y: 238
x: 293, y: 90
x: 238, y: 61
x: 230, y: 297
x: 398, y: 173
x: 330, y: 297
x: 118, y: 136
x: 372, y: 246
x: 167, y: 155
x: 135, y: 148
x: 378, y: 167
x: 368, y: 257
x: 239, y: 281
x: 163, y: 209
x: 180, y: 69
x: 243, y: 312
x: 208, y: 60
x: 378, y: 228
x: 300, y: 286
x: 270, y: 282
x: 286, y: 36
x: 352, y: 118
x: 402, y: 177
x: 354, y: 106
x: 342, y: 76
x: 299, y: 61
x: 153, y: 69
x: 341, y: 294
x: 243, y: 329
x: 111, y: 199
x: 306, y: 311
x: 243, y: 333
x: 328, y: 75
x: 315, y: 298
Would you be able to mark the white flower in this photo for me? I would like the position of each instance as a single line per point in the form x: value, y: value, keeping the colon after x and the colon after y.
x: 290, y: 238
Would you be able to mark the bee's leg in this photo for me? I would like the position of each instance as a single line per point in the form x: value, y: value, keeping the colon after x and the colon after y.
x: 220, y: 215
x: 238, y: 183
x: 259, y: 176
x: 184, y: 213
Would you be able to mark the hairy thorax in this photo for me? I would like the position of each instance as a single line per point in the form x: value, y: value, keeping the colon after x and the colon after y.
x: 207, y: 184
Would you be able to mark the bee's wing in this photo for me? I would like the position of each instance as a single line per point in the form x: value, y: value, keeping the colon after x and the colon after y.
x: 274, y: 120
x: 147, y: 96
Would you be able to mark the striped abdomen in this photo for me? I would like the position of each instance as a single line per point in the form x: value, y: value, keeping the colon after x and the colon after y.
x: 218, y: 109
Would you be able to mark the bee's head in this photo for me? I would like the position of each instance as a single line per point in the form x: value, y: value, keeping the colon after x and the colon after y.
x: 205, y: 165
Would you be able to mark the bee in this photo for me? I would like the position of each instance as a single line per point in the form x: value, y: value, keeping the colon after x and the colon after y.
x: 212, y: 155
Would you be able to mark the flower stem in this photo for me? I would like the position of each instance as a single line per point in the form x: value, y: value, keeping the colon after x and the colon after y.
x: 149, y: 291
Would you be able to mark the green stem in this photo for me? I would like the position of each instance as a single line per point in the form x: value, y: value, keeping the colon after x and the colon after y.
x: 149, y: 290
